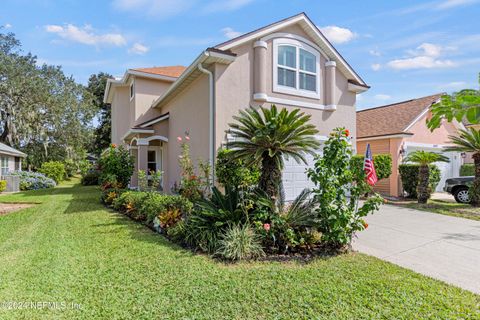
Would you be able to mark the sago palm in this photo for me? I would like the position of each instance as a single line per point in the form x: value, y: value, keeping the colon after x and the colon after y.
x: 469, y: 141
x: 267, y: 136
x: 424, y: 159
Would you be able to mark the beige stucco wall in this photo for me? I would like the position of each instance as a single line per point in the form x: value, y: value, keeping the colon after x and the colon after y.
x: 235, y: 87
x: 147, y: 91
x: 120, y: 114
x: 189, y: 113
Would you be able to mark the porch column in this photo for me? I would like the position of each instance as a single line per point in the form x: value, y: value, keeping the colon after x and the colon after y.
x: 260, y: 71
x: 134, y: 179
x: 142, y: 154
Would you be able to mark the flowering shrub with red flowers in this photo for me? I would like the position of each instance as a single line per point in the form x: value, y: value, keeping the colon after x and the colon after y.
x: 337, y: 192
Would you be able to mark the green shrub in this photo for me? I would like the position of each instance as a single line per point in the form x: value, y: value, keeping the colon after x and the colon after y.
x: 233, y: 172
x: 146, y: 206
x: 239, y: 242
x: 382, y: 162
x: 109, y: 195
x: 467, y: 169
x: 71, y: 168
x: 210, y: 218
x: 409, y: 177
x: 84, y: 166
x: 91, y: 178
x: 33, y: 180
x: 3, y: 185
x: 117, y: 162
x: 129, y: 203
x: 164, y: 207
x: 54, y: 170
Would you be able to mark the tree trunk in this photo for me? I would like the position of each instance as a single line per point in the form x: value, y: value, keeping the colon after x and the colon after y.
x: 423, y: 188
x: 475, y: 190
x: 270, y: 177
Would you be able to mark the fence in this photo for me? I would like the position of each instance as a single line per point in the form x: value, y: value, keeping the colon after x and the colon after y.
x: 13, y: 183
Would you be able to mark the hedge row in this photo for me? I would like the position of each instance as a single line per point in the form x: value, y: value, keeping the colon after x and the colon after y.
x: 467, y: 169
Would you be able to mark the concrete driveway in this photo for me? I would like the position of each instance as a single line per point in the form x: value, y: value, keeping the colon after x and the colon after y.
x: 443, y: 247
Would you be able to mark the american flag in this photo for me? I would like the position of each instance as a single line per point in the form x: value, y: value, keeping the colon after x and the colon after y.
x: 369, y: 168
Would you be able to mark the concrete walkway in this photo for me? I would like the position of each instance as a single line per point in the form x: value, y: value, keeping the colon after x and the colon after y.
x: 443, y: 247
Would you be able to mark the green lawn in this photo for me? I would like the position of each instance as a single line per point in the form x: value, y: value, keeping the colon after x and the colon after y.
x: 443, y: 207
x: 71, y: 249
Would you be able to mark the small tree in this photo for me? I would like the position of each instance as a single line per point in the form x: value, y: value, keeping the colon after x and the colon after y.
x: 469, y: 141
x: 266, y: 137
x: 337, y: 192
x: 424, y: 159
x: 117, y: 162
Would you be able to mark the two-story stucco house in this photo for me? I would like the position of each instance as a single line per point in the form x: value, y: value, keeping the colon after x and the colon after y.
x: 289, y: 63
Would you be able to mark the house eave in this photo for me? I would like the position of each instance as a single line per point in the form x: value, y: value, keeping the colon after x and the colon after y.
x: 132, y: 132
x: 312, y: 30
x: 385, y: 136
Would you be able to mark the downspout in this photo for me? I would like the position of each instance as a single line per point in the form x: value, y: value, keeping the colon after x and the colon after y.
x: 212, y: 120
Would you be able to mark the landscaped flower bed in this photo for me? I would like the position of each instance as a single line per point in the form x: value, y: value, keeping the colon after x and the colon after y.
x: 249, y: 219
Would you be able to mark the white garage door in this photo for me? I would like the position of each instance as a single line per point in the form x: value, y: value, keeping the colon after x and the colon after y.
x: 295, y: 177
x: 447, y: 170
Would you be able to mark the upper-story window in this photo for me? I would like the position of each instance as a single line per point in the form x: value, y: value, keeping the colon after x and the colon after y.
x: 296, y: 68
x: 132, y: 90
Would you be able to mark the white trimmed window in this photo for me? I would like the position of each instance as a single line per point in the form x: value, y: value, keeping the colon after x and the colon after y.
x: 4, y: 166
x: 296, y: 68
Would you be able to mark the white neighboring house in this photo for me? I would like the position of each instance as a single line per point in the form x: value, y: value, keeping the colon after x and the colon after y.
x: 10, y: 159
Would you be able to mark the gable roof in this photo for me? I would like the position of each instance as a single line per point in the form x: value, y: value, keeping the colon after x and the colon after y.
x: 312, y: 30
x: 392, y: 119
x: 168, y: 71
x: 4, y: 149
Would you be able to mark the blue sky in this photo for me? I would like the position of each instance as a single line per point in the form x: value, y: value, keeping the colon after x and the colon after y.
x: 403, y: 49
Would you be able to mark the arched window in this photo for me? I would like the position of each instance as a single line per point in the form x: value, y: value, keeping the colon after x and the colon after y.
x: 296, y: 68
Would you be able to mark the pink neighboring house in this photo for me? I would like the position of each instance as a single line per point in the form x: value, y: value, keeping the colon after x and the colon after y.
x: 400, y: 128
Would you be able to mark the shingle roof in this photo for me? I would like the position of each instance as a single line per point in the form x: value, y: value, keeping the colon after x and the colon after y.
x: 169, y: 71
x: 393, y: 118
x: 9, y: 150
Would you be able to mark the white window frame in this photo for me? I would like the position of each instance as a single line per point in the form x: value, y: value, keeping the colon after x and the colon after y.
x: 296, y: 91
x: 4, y: 160
x: 132, y: 90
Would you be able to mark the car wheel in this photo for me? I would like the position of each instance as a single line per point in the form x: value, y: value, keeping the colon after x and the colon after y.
x: 461, y: 195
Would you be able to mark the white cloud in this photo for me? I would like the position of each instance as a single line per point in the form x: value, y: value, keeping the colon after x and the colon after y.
x: 448, y: 4
x: 382, y: 97
x: 376, y: 66
x: 226, y: 5
x: 425, y: 56
x: 337, y: 34
x: 421, y: 62
x: 454, y: 85
x: 86, y: 35
x: 157, y: 8
x: 138, y: 48
x: 427, y: 49
x: 375, y: 53
x: 230, y: 33
x: 7, y: 25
